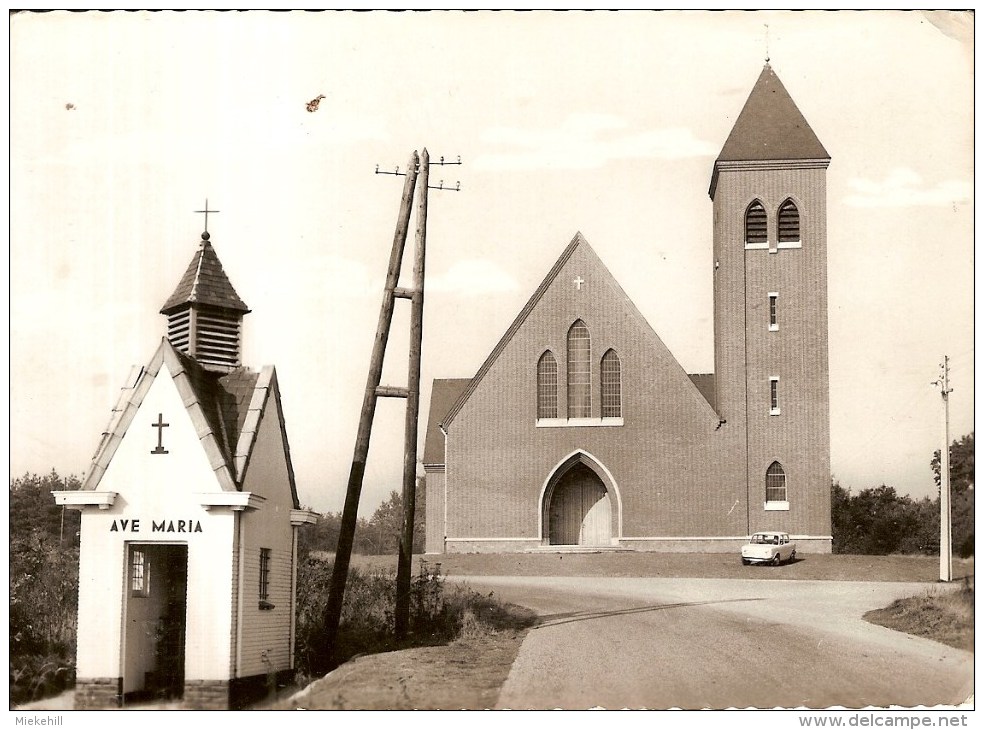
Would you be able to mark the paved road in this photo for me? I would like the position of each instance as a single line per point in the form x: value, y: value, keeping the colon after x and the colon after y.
x: 706, y: 643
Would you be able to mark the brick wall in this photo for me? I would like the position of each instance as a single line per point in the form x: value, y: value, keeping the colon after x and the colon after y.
x: 674, y: 471
x: 206, y: 694
x: 98, y: 693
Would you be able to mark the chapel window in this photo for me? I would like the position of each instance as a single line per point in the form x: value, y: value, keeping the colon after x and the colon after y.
x: 265, y: 579
x: 789, y: 223
x: 578, y: 371
x: 775, y: 483
x: 774, y: 409
x: 611, y: 385
x: 546, y: 386
x: 773, y: 311
x: 756, y: 224
x: 138, y: 572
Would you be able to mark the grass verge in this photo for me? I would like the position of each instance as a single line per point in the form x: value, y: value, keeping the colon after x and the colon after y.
x: 465, y: 674
x: 943, y: 615
x: 458, y: 652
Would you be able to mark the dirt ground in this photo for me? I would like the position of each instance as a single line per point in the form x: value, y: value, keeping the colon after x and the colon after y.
x: 464, y: 675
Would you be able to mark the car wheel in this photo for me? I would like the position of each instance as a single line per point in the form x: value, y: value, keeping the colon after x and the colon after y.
x: 792, y: 556
x: 776, y: 559
x: 744, y: 562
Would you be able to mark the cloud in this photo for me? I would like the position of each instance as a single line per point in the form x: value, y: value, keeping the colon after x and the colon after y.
x: 904, y: 187
x: 584, y: 141
x: 472, y: 277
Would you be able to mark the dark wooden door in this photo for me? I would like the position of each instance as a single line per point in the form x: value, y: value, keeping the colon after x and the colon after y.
x: 580, y: 511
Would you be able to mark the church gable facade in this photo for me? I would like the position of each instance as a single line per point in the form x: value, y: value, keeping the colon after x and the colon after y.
x: 581, y: 429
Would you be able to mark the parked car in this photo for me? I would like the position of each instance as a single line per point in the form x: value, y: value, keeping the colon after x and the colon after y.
x: 768, y: 547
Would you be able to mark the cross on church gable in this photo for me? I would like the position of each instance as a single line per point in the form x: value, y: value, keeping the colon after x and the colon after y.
x: 578, y: 281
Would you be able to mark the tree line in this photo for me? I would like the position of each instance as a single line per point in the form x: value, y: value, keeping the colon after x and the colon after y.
x: 377, y: 535
x: 878, y: 521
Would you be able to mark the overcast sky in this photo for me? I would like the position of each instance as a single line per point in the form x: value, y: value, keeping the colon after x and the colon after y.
x: 608, y: 124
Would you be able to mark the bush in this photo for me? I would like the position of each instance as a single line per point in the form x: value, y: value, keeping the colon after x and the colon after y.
x: 438, y: 614
x: 43, y: 588
x: 35, y: 677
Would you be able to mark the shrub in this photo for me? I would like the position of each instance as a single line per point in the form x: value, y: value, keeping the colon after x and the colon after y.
x: 35, y: 677
x: 438, y: 614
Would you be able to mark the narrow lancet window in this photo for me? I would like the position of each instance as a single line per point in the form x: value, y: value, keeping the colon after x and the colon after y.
x: 775, y: 483
x: 546, y: 386
x: 578, y: 371
x: 611, y: 385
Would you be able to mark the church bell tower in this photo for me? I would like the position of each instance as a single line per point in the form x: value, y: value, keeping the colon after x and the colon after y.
x: 205, y: 315
x: 768, y: 189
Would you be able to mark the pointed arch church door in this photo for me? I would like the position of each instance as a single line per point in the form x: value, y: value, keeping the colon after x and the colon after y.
x: 580, y: 510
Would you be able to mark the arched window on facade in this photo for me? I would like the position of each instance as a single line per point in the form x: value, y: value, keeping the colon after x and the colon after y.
x: 775, y: 483
x: 546, y: 386
x: 789, y: 222
x: 756, y: 224
x: 578, y: 371
x: 611, y: 385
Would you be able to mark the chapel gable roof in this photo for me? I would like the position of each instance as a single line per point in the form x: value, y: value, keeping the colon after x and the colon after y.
x: 205, y: 282
x: 225, y: 408
x: 444, y: 394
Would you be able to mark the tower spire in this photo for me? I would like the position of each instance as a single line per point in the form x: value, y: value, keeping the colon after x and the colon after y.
x: 205, y: 314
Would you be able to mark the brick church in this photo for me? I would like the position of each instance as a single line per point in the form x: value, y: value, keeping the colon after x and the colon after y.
x: 582, y: 429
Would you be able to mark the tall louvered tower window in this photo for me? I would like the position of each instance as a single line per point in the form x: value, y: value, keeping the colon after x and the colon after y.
x: 217, y: 337
x: 179, y: 329
x: 578, y: 371
x: 756, y: 224
x: 789, y: 222
x: 775, y: 483
x: 546, y: 386
x: 611, y: 385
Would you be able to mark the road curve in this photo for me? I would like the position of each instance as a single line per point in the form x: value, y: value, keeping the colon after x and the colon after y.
x: 705, y: 643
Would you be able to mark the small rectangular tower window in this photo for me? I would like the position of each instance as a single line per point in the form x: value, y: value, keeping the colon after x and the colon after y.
x: 774, y: 396
x: 773, y: 311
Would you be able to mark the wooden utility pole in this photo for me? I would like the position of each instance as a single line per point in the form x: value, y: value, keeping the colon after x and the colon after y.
x: 404, y: 564
x: 350, y: 512
x: 946, y: 539
x: 343, y: 553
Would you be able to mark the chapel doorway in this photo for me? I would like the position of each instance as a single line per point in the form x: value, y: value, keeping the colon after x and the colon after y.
x: 155, y: 617
x: 580, y: 511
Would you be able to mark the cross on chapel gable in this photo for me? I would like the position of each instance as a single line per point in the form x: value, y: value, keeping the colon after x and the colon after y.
x: 160, y: 426
x: 578, y: 281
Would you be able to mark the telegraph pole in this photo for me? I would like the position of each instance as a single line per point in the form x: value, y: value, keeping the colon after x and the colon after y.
x: 405, y: 561
x: 946, y: 540
x: 418, y: 167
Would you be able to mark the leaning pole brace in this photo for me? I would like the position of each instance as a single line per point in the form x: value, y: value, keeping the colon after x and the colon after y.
x: 350, y: 512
